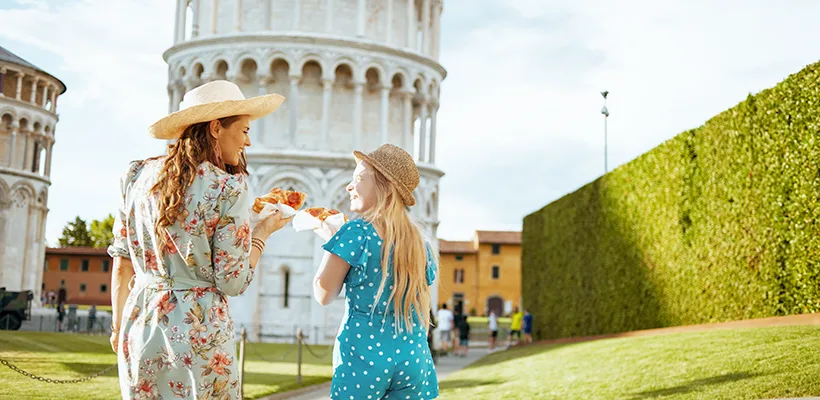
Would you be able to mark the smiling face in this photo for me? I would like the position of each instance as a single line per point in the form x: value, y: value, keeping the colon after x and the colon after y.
x: 232, y: 137
x: 362, y: 190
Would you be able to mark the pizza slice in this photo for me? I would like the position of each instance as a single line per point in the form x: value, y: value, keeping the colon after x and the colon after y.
x: 292, y: 198
x: 322, y: 213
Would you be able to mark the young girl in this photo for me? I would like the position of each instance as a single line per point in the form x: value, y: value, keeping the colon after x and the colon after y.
x: 386, y: 266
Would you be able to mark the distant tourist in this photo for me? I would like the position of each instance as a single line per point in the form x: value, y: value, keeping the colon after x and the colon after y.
x: 527, y: 327
x: 60, y: 316
x: 92, y: 317
x: 493, y: 325
x: 515, y: 327
x: 463, y: 336
x: 445, y: 326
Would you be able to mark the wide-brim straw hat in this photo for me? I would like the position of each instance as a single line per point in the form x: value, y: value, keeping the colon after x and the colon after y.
x: 397, y: 166
x: 210, y: 101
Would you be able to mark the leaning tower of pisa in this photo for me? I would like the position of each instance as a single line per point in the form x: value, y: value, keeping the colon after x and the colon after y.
x: 356, y: 74
x: 28, y: 116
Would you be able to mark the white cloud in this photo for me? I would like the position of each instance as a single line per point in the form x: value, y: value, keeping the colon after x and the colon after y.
x: 519, y: 124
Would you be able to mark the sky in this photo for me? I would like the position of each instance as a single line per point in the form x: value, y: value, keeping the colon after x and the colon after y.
x: 519, y: 124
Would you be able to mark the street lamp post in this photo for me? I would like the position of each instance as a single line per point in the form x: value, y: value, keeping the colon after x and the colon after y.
x: 606, y: 115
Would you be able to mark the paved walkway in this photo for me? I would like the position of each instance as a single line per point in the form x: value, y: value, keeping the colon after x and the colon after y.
x: 444, y: 367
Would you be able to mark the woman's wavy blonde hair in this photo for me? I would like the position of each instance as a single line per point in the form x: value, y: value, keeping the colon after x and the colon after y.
x: 195, y: 146
x: 403, y: 239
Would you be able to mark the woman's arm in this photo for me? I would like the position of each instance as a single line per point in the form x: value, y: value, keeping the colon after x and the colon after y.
x: 120, y: 279
x: 327, y: 284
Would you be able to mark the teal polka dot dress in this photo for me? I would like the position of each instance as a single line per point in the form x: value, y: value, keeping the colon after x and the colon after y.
x: 371, y: 360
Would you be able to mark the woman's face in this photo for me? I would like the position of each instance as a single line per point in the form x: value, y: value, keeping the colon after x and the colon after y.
x: 362, y: 189
x: 233, y: 138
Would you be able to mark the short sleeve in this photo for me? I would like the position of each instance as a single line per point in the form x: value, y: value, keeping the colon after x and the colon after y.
x: 231, y: 240
x: 432, y: 268
x: 350, y: 244
x: 119, y: 246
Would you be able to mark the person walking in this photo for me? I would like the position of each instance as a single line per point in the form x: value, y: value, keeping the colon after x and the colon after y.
x: 492, y: 321
x: 445, y: 327
x: 386, y: 266
x: 515, y: 327
x: 527, y: 327
x: 183, y: 243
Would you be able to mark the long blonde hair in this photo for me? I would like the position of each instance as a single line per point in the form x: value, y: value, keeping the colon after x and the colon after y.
x: 195, y: 146
x: 404, y: 240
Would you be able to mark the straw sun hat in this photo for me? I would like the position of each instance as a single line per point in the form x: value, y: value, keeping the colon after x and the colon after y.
x: 213, y: 100
x: 397, y: 166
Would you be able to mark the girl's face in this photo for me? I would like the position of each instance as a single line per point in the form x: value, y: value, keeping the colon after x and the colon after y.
x: 362, y: 189
x: 233, y: 139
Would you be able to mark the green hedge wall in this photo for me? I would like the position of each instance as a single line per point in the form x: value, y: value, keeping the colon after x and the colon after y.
x: 719, y: 223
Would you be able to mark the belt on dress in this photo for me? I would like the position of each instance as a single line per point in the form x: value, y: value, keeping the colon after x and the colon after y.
x: 159, y: 282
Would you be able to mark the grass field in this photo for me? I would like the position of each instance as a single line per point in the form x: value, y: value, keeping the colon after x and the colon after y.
x: 269, y: 368
x: 754, y: 363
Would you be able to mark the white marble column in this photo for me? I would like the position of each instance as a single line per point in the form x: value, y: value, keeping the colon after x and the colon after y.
x: 389, y: 36
x: 327, y: 92
x: 297, y: 15
x: 358, y: 88
x: 294, y: 107
x: 268, y: 14
x: 425, y: 27
x: 33, y: 99
x: 179, y: 27
x: 411, y: 24
x: 195, y: 18
x: 20, y: 86
x: 214, y: 17
x: 431, y: 155
x: 45, y: 96
x: 362, y: 18
x: 407, y: 137
x: 3, y: 73
x: 385, y: 113
x: 54, y: 101
x: 329, y: 17
x: 177, y: 90
x: 237, y: 15
x: 423, y: 132
x: 15, y: 128
x: 261, y: 90
x: 436, y: 28
x: 48, y: 159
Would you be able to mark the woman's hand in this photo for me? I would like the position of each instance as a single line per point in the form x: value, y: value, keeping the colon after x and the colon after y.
x: 270, y: 224
x: 326, y: 231
x: 115, y: 336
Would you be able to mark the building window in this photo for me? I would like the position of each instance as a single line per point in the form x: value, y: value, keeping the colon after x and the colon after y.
x: 459, y: 257
x: 496, y: 271
x: 496, y: 248
x: 85, y: 266
x: 64, y: 264
x: 105, y: 265
x: 286, y: 295
x: 103, y: 288
x: 459, y: 275
x: 82, y: 288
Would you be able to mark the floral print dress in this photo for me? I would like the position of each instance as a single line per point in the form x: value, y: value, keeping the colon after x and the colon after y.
x: 176, y: 334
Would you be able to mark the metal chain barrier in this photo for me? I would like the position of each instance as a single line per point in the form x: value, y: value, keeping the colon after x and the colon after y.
x: 278, y: 359
x: 320, y: 355
x: 49, y: 380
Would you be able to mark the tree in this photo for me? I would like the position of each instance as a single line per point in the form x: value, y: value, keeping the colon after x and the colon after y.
x: 75, y: 234
x: 102, y: 232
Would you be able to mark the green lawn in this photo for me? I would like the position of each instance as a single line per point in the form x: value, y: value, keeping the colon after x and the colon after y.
x: 754, y: 363
x: 269, y: 368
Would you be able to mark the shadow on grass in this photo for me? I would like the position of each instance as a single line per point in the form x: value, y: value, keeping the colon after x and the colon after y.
x: 283, y: 380
x: 695, y: 385
x: 467, y: 383
x: 88, y: 369
x: 516, y: 353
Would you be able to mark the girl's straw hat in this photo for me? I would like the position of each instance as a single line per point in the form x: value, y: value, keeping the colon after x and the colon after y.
x: 213, y: 100
x: 397, y: 166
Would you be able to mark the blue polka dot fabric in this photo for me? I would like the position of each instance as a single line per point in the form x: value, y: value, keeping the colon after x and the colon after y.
x: 372, y: 359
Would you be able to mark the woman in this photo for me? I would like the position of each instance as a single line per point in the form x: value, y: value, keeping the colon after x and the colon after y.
x: 182, y: 243
x: 381, y: 349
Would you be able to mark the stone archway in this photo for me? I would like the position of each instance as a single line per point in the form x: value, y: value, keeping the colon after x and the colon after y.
x: 495, y: 304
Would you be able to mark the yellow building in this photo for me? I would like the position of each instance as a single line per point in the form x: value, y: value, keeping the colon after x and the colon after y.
x: 483, y: 274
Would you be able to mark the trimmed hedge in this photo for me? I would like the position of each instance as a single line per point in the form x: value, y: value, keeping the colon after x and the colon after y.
x: 718, y: 223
